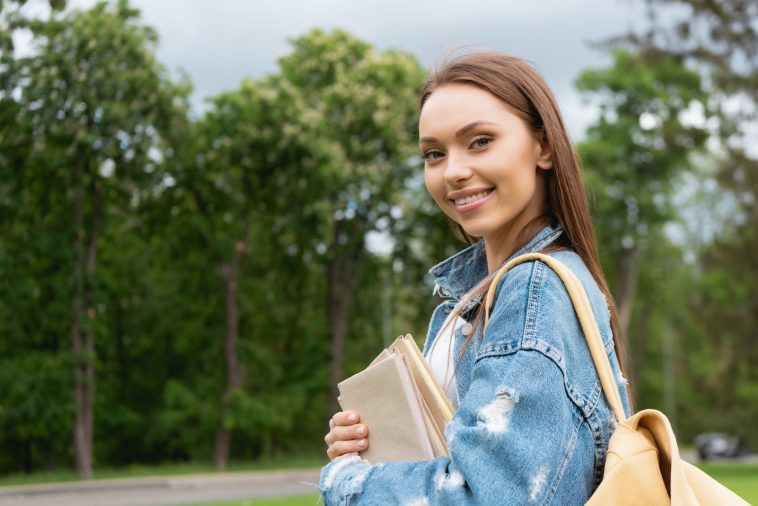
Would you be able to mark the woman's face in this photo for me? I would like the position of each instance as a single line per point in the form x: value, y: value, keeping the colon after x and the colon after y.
x: 482, y: 165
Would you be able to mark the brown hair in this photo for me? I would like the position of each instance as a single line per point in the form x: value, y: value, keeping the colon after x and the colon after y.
x: 518, y: 84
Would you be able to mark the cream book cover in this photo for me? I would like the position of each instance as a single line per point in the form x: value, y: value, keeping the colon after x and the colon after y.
x: 401, y: 403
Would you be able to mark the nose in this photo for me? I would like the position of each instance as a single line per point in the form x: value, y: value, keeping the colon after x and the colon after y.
x: 456, y: 170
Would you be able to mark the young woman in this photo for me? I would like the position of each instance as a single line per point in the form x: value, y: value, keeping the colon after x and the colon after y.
x: 532, y: 424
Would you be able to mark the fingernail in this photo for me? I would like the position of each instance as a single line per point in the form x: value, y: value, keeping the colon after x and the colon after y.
x: 362, y: 443
x: 360, y: 430
x: 351, y: 418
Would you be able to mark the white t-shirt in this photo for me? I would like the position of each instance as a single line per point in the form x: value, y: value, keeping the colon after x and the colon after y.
x: 442, y: 357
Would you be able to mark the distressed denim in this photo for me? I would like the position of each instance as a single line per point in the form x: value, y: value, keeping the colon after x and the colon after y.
x: 533, y: 424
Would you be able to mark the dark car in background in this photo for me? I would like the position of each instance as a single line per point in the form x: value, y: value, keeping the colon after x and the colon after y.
x: 719, y: 445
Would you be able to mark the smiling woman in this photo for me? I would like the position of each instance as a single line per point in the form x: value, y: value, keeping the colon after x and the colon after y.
x: 487, y: 175
x: 531, y: 424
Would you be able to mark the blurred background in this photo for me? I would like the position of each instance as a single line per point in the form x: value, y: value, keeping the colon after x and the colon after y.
x: 210, y: 213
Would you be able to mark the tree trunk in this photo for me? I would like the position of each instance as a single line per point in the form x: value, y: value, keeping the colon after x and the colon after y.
x: 83, y: 456
x: 338, y: 313
x: 235, y: 371
x: 343, y: 281
x: 89, y: 334
x: 638, y: 345
x: 627, y: 274
x: 84, y: 345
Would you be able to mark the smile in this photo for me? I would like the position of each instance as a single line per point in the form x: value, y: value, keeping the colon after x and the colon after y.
x: 471, y: 198
x: 472, y: 202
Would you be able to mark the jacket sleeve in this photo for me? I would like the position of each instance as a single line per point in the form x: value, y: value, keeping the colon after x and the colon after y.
x: 510, y: 439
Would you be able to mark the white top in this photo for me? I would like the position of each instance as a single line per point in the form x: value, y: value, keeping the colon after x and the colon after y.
x: 442, y: 357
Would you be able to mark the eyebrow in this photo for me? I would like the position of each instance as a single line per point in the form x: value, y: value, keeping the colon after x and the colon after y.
x: 460, y: 133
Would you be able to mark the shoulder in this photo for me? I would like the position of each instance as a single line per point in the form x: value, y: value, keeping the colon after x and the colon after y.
x: 532, y: 311
x: 526, y: 274
x: 533, y: 298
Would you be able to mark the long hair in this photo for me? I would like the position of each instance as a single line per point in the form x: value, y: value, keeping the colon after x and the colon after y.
x: 524, y: 91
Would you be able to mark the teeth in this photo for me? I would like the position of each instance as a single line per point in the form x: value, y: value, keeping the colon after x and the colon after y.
x: 471, y: 198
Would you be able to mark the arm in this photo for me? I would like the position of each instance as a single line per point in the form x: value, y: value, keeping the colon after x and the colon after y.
x: 510, y: 440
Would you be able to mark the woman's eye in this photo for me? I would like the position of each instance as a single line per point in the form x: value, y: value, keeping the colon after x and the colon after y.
x: 481, y: 142
x: 433, y: 155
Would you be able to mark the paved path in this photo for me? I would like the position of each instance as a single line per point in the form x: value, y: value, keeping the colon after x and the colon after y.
x: 160, y: 491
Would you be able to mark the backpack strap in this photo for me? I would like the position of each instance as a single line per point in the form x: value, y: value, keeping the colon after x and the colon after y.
x: 587, y: 321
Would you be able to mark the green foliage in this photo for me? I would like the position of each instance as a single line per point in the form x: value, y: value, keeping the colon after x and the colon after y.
x: 712, y: 310
x: 294, y: 171
x: 177, y: 193
x: 717, y: 372
x: 635, y: 156
x: 91, y: 102
x: 640, y: 144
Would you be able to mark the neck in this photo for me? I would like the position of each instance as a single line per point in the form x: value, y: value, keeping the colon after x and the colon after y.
x: 502, y: 243
x: 500, y: 246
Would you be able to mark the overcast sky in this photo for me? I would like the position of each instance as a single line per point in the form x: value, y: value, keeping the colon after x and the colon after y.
x: 220, y: 42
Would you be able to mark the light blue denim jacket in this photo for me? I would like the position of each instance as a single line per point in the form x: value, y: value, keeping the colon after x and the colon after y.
x: 533, y: 424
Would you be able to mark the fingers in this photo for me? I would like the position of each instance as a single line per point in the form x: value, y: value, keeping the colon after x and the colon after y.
x: 344, y: 418
x: 357, y: 431
x: 342, y: 448
x: 345, y: 437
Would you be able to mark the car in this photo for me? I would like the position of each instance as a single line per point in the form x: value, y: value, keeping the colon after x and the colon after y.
x: 719, y: 444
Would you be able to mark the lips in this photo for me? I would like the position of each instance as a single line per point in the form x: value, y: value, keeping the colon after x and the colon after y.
x: 472, y: 201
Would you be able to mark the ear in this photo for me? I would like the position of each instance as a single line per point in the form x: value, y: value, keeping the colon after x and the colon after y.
x: 545, y: 155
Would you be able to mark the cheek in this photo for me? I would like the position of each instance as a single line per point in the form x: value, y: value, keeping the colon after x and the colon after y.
x: 432, y: 183
x: 435, y: 185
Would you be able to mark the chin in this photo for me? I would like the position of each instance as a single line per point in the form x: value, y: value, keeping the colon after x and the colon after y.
x: 473, y: 232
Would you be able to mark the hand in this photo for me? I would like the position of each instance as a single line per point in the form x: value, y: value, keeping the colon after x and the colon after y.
x: 347, y: 436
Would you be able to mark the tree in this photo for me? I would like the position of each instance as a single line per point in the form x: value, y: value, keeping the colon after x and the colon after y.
x: 257, y: 145
x: 184, y: 263
x: 368, y: 101
x: 97, y: 102
x: 719, y: 40
x: 635, y: 153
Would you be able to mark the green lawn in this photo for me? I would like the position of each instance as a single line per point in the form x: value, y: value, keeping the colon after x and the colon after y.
x: 138, y: 471
x: 740, y: 478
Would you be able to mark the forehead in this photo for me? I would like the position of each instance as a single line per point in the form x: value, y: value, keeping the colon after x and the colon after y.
x: 454, y: 105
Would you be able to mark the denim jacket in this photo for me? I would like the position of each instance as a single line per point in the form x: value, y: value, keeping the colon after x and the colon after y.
x: 533, y: 424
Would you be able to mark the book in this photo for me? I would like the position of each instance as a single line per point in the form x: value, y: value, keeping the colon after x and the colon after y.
x: 403, y: 406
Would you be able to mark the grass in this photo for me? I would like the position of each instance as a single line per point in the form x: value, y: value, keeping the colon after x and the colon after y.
x: 144, y: 471
x: 742, y: 479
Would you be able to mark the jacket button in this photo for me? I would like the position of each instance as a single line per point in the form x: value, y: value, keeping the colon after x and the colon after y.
x: 466, y: 329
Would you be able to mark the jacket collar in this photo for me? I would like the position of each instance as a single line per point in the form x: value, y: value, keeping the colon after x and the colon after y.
x: 458, y: 274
